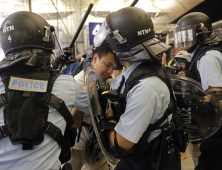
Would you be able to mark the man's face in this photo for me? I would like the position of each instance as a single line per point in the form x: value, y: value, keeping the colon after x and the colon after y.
x: 105, y: 65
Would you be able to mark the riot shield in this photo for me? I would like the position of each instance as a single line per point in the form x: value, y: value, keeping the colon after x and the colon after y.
x: 92, y: 155
x: 200, y: 119
x: 94, y: 87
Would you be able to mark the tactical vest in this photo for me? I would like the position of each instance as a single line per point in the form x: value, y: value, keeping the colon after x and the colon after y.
x: 199, y: 53
x: 145, y: 69
x: 26, y: 112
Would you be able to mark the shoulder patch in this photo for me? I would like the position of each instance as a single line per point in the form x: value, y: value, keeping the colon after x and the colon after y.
x: 24, y: 84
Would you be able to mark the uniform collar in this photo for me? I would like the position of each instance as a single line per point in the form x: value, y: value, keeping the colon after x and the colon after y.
x: 128, y: 71
x: 191, y: 54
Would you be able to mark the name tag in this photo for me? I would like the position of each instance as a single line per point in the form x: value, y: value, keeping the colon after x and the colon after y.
x: 23, y: 84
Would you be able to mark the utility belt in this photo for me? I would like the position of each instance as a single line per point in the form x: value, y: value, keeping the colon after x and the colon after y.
x: 159, y: 149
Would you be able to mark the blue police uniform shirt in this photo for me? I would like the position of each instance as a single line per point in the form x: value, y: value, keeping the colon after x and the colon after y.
x: 210, y: 69
x: 43, y: 156
x: 146, y: 103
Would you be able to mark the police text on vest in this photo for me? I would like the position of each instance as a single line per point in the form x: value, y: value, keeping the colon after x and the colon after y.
x: 23, y: 84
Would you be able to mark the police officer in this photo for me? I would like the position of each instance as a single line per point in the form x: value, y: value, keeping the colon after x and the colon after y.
x: 36, y: 100
x: 194, y: 34
x: 145, y: 94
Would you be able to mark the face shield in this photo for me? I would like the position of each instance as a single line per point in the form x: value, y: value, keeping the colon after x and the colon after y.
x: 184, y: 37
x: 58, y: 51
x: 101, y: 35
x: 104, y: 31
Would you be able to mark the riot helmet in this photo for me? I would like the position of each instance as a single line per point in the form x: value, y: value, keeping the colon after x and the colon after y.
x: 183, y: 55
x: 192, y: 29
x: 182, y: 59
x: 22, y: 30
x: 126, y: 30
x: 26, y: 37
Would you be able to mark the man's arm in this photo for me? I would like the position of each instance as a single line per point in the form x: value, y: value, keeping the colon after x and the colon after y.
x: 210, y: 73
x: 123, y: 143
x: 81, y: 101
x: 77, y: 117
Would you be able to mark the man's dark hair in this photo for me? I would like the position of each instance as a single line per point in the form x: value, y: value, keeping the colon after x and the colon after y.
x: 102, y: 51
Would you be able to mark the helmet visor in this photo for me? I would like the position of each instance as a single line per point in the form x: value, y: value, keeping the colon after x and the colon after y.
x: 58, y: 51
x: 101, y: 35
x: 184, y: 37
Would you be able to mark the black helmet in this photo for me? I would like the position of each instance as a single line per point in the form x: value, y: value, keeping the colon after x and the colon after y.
x: 26, y: 30
x: 125, y: 30
x: 192, y: 28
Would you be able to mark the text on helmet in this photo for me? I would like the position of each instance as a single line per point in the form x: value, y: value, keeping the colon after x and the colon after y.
x: 9, y: 28
x: 144, y: 32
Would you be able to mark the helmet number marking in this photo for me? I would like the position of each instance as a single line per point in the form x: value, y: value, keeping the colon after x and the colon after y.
x: 9, y: 39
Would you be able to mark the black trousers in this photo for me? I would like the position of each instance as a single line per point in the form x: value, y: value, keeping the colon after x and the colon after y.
x: 211, y: 153
x: 172, y: 162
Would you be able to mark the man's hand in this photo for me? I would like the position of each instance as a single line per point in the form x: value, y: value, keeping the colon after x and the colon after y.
x: 181, y: 73
x: 77, y: 117
x: 109, y: 112
x: 164, y: 60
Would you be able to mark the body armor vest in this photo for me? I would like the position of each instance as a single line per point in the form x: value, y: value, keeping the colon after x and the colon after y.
x: 26, y: 111
x: 199, y: 53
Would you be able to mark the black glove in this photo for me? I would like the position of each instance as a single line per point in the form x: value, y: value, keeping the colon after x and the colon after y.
x: 67, y: 51
x: 193, y: 99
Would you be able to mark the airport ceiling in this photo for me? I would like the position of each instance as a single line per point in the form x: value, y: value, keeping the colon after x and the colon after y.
x: 164, y: 13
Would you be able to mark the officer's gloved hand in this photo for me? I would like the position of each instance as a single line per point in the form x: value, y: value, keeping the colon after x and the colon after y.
x: 57, y: 61
x: 67, y: 51
x: 216, y: 99
x: 193, y: 99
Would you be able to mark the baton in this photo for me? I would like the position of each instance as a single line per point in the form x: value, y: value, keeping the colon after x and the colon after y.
x: 134, y: 3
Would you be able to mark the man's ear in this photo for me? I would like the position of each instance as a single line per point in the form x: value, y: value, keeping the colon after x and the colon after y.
x: 95, y: 58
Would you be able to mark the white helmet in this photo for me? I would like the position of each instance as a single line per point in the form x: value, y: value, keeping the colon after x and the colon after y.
x: 183, y: 55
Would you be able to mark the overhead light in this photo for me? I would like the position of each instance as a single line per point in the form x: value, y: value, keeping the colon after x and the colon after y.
x: 156, y: 14
x: 164, y: 4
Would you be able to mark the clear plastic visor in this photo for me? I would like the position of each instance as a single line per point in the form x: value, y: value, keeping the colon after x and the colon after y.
x: 58, y: 51
x: 184, y: 37
x: 101, y: 35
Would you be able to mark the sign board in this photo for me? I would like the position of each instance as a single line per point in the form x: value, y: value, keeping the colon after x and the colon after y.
x: 93, y: 29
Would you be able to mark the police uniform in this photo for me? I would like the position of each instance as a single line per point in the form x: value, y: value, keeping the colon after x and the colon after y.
x: 210, y: 69
x: 149, y: 99
x: 146, y: 102
x: 142, y: 93
x: 195, y: 34
x: 35, y: 99
x: 45, y: 155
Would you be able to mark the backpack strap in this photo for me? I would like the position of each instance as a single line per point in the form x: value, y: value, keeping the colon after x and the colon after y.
x: 4, y: 132
x: 57, y: 102
x: 60, y: 106
x: 3, y: 99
